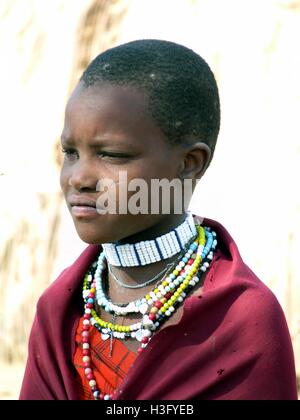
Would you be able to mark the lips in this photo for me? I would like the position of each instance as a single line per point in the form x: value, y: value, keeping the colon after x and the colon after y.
x: 81, y: 202
x: 83, y: 207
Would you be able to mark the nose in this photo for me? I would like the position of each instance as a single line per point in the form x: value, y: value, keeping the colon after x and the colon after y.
x: 83, y: 176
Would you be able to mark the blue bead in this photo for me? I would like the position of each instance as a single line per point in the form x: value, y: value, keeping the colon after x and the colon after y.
x: 90, y: 300
x: 185, y: 260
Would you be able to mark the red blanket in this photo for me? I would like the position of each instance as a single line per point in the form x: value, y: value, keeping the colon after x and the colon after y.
x: 231, y: 343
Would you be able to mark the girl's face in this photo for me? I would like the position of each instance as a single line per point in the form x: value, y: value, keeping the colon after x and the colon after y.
x: 107, y: 130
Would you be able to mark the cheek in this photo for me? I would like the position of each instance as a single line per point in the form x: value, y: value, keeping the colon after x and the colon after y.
x: 63, y: 178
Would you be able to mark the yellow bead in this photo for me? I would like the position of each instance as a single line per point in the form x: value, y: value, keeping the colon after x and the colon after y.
x: 163, y: 310
x: 176, y: 272
x: 163, y: 300
x: 156, y: 291
x: 147, y: 297
x: 153, y: 310
x: 165, y: 283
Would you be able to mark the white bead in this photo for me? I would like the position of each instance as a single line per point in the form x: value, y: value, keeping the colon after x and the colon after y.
x: 86, y: 359
x: 85, y: 346
x: 92, y: 383
x: 192, y: 283
x: 143, y: 308
x: 180, y: 299
x: 168, y: 313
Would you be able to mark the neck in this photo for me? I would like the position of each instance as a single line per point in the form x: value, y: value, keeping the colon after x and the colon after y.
x: 133, y: 276
x: 163, y: 226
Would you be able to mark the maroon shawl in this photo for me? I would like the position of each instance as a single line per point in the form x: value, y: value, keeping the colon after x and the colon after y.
x: 232, y: 342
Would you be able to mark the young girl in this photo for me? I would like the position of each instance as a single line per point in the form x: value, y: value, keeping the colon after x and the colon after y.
x: 160, y: 305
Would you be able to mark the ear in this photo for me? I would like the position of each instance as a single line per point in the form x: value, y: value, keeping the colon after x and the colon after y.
x: 195, y: 160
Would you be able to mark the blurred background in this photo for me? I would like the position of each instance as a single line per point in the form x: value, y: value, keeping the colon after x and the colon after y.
x: 252, y: 186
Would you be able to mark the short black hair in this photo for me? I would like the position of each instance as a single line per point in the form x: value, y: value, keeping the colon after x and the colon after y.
x: 181, y: 89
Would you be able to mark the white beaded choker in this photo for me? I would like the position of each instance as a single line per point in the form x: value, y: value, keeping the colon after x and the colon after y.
x: 147, y: 252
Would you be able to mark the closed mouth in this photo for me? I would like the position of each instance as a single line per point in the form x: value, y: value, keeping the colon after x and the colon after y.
x: 82, y: 202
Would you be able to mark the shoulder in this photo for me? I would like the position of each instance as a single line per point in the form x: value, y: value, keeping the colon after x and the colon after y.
x: 68, y: 283
x: 246, y: 303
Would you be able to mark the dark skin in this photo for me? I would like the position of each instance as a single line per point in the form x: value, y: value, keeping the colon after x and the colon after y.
x: 108, y: 129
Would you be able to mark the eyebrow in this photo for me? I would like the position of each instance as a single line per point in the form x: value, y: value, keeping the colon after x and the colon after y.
x: 96, y: 143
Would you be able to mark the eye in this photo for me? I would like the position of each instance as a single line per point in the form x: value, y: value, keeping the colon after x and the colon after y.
x: 70, y: 153
x: 113, y: 155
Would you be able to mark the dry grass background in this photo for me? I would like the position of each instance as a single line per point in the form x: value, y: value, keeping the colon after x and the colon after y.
x: 253, y: 49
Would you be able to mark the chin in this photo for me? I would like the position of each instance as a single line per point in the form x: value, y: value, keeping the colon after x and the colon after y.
x: 94, y: 235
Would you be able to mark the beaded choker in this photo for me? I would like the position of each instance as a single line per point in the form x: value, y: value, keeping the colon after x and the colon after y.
x: 147, y: 252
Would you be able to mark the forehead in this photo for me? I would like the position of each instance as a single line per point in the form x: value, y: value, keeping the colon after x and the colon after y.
x: 108, y: 109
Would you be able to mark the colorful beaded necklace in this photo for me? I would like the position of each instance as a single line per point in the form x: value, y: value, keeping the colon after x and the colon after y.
x: 155, y: 307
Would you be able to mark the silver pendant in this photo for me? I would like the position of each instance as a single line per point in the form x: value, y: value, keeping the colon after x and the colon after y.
x: 105, y: 336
